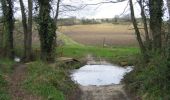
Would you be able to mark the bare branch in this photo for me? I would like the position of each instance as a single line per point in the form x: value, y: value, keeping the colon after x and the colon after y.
x: 118, y: 1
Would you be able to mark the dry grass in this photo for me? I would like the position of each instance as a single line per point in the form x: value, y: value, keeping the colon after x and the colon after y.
x: 121, y: 35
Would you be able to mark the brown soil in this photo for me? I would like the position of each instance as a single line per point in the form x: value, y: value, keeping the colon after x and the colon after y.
x: 15, y: 84
x: 108, y: 34
x: 109, y: 92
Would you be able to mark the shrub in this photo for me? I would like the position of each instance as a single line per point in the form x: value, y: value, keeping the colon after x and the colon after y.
x: 150, y: 81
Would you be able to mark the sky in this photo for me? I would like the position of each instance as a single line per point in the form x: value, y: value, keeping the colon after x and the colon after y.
x: 104, y: 10
x: 95, y: 11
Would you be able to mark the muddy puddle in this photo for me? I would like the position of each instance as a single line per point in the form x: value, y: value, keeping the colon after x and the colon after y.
x: 99, y: 75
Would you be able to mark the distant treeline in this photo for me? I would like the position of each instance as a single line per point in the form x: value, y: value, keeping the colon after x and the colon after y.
x: 84, y: 21
x: 76, y: 21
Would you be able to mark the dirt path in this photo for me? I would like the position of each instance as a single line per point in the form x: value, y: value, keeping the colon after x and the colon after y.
x: 15, y: 82
x: 108, y: 92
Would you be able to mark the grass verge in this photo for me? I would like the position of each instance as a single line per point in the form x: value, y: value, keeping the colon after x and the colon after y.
x: 49, y: 81
x: 5, y: 69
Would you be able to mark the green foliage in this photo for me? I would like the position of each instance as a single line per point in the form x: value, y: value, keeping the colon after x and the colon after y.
x: 3, y: 89
x: 47, y: 30
x: 150, y: 81
x: 5, y: 68
x: 8, y: 26
x: 6, y: 65
x: 48, y: 81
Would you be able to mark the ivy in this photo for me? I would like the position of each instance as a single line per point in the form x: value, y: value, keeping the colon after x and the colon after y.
x: 47, y: 29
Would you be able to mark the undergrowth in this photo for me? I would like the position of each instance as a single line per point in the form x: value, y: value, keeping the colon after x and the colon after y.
x: 150, y: 81
x: 5, y: 69
x: 49, y: 81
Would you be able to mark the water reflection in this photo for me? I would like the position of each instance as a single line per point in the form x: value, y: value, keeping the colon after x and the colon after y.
x: 99, y: 74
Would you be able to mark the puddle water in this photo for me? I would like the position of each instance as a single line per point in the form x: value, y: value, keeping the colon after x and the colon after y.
x: 99, y: 75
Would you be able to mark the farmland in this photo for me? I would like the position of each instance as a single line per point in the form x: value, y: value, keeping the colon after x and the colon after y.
x: 99, y: 34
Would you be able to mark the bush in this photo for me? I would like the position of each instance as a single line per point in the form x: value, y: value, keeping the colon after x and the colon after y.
x: 150, y: 81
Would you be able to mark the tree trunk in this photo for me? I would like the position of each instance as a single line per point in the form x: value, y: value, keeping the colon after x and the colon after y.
x: 168, y: 5
x: 56, y: 19
x: 155, y: 9
x: 1, y: 39
x: 27, y: 26
x: 168, y: 35
x: 8, y: 26
x: 142, y: 47
x: 57, y: 11
x: 47, y: 30
x: 24, y: 22
x: 30, y: 6
x: 148, y: 42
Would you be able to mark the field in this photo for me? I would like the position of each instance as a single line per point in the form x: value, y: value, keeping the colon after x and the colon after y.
x: 114, y: 54
x: 101, y: 34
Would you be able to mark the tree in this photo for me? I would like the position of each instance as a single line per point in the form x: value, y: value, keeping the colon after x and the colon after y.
x: 27, y: 26
x: 56, y: 18
x: 144, y: 19
x: 47, y: 30
x: 168, y: 36
x: 29, y: 45
x: 8, y: 26
x: 156, y: 13
x: 141, y: 45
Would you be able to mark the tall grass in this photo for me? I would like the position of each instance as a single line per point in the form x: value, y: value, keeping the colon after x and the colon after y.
x: 150, y: 81
x: 5, y: 69
x: 49, y: 81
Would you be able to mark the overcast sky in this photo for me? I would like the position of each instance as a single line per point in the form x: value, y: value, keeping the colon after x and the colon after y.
x: 103, y: 10
x: 98, y: 11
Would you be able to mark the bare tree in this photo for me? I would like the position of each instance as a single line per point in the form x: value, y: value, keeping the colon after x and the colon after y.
x: 29, y: 45
x: 27, y: 26
x: 57, y: 11
x: 144, y: 19
x: 24, y: 22
x: 56, y: 18
x: 142, y: 47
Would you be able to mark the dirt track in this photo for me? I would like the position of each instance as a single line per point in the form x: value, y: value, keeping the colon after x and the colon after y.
x: 16, y: 90
x: 108, y: 92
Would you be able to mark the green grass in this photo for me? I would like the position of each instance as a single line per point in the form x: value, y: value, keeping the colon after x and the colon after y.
x: 114, y: 54
x: 5, y: 69
x: 150, y: 81
x: 68, y: 41
x: 49, y: 81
